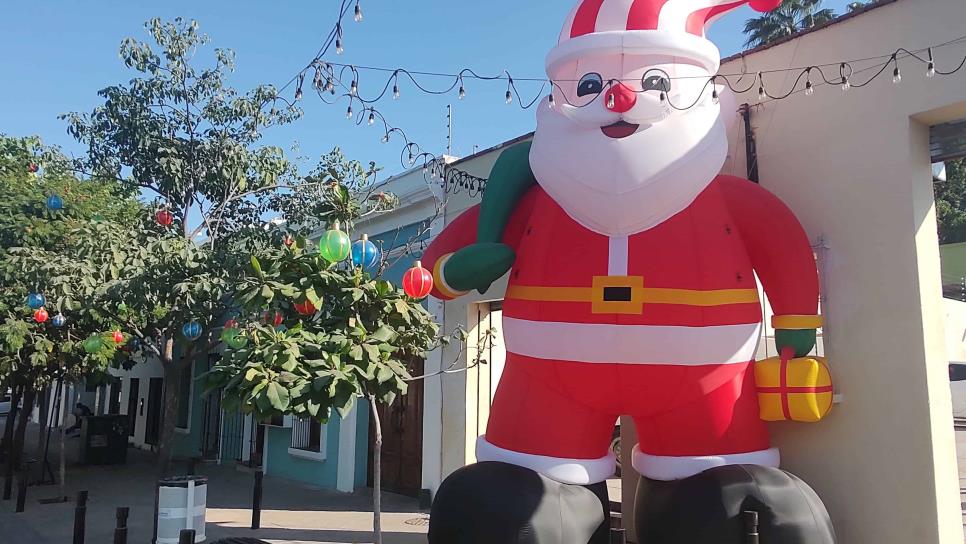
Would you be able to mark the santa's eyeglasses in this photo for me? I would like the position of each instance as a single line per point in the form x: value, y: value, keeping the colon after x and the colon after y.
x: 655, y: 79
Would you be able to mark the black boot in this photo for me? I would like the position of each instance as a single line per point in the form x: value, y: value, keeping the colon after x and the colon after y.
x: 718, y: 506
x: 498, y: 503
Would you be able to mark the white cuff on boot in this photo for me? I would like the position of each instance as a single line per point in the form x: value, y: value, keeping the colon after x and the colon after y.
x: 658, y: 467
x: 567, y: 471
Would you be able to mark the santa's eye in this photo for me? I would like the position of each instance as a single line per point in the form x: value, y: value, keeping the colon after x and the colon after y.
x: 591, y: 83
x: 656, y: 83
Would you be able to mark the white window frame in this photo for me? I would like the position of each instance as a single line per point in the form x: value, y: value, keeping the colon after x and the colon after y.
x: 319, y: 455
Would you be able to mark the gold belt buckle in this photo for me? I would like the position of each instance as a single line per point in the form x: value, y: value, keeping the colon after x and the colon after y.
x: 617, y: 295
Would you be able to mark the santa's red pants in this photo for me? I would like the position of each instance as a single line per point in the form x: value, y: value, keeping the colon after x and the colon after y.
x: 565, y: 411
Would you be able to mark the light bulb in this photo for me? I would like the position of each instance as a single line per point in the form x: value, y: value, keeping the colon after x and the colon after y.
x: 611, y: 101
x: 412, y: 158
x: 462, y: 92
x: 348, y: 113
x: 809, y: 88
x: 761, y: 94
x: 298, y: 94
x: 329, y: 85
x: 931, y: 69
x: 896, y: 75
x: 846, y: 84
x: 551, y: 102
x: 338, y: 46
x: 372, y: 119
x: 714, y: 97
x: 358, y: 15
x: 385, y: 139
x: 509, y: 97
x: 395, y: 91
x: 425, y: 169
x: 354, y: 88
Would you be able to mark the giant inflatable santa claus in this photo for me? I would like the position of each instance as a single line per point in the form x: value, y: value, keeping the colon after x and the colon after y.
x: 632, y: 291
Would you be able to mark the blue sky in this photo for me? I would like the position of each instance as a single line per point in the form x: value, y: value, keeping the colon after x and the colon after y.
x: 58, y: 54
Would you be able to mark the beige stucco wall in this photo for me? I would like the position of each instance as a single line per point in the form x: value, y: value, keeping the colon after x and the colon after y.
x: 855, y: 168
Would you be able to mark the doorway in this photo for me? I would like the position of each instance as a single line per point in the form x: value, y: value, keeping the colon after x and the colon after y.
x: 152, y: 431
x: 402, y: 439
x: 132, y: 405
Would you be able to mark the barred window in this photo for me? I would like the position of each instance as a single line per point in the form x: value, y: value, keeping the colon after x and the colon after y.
x: 307, y: 435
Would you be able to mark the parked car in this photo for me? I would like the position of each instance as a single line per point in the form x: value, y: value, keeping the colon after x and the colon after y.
x: 957, y: 372
x: 5, y: 403
x: 615, y: 446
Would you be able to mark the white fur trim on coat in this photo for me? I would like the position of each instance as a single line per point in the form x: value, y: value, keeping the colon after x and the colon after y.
x: 657, y: 467
x: 568, y: 471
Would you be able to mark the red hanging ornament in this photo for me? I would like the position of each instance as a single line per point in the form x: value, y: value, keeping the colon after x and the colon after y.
x: 305, y: 308
x: 164, y: 218
x: 41, y: 315
x: 274, y: 319
x: 418, y: 281
x: 33, y: 168
x: 231, y: 324
x: 289, y: 240
x: 118, y: 337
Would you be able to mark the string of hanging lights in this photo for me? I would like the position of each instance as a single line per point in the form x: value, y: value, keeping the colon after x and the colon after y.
x: 332, y: 74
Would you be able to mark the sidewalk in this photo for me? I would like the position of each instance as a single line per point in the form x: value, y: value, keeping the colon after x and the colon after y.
x: 292, y: 513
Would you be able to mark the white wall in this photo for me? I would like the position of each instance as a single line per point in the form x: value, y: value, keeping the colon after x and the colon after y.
x: 855, y: 168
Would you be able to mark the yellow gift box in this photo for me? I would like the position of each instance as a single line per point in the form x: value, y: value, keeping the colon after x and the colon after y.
x: 794, y: 389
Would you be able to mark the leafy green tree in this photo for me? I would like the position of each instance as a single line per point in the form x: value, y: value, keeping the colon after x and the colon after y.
x: 951, y: 203
x: 181, y: 134
x: 37, y: 255
x: 790, y: 17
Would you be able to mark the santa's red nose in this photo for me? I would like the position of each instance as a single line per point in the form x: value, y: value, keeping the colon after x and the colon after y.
x: 620, y: 98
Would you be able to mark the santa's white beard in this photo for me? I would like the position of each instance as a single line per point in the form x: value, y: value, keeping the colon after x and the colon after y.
x: 623, y: 186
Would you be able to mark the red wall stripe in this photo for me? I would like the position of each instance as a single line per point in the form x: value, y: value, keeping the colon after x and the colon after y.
x: 644, y: 14
x: 585, y: 21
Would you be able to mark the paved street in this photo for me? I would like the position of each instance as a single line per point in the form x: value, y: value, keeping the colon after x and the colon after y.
x: 292, y: 513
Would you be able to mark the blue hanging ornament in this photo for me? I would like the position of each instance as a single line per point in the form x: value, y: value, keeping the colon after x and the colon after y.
x: 36, y: 300
x: 191, y: 330
x: 365, y: 253
x: 58, y: 320
x: 55, y: 203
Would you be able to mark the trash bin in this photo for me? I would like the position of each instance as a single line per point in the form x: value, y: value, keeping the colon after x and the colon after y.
x: 182, y: 502
x: 103, y: 440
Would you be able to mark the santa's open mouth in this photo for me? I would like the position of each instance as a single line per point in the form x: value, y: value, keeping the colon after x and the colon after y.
x: 620, y: 129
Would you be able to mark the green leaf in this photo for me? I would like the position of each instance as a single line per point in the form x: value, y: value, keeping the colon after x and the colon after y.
x: 385, y: 374
x: 278, y: 396
x: 384, y: 334
x: 355, y: 353
x: 372, y: 352
x: 257, y: 267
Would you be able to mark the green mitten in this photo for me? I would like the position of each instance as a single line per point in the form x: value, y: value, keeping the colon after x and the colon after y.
x: 801, y: 340
x: 477, y: 266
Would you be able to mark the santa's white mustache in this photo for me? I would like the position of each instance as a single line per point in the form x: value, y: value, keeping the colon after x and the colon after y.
x: 643, y: 113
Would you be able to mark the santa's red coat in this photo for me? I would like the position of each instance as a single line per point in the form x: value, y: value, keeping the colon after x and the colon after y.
x: 660, y: 325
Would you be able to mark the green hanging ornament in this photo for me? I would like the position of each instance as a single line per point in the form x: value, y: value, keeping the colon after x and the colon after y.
x: 335, y: 244
x: 93, y: 344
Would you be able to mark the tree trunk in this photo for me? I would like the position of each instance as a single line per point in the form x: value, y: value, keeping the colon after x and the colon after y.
x: 11, y: 422
x: 16, y: 458
x: 376, y: 472
x: 42, y: 415
x: 8, y: 442
x: 169, y: 418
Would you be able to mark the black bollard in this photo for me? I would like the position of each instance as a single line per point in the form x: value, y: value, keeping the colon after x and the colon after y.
x: 257, y: 500
x: 618, y: 536
x: 187, y: 536
x: 21, y: 491
x: 120, y: 528
x: 751, y: 527
x: 80, y: 517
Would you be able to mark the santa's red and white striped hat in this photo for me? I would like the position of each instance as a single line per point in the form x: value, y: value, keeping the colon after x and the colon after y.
x: 662, y: 27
